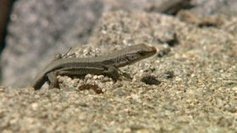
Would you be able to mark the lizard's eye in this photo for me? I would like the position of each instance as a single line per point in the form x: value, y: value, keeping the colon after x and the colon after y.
x: 132, y: 57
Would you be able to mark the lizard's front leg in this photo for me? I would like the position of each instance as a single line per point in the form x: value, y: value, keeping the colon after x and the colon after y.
x: 111, y: 71
x: 115, y: 73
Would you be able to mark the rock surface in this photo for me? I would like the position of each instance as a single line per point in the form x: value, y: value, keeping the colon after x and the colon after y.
x: 39, y: 29
x: 197, y: 89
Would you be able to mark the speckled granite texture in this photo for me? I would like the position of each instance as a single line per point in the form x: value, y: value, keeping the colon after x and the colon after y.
x: 197, y: 90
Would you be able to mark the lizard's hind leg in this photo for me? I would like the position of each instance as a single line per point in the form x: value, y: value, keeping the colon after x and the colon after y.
x: 53, y: 81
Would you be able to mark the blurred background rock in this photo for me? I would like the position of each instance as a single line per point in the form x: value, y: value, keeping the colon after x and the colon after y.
x: 39, y: 29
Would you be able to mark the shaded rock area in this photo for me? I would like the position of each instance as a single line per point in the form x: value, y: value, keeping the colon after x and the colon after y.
x: 195, y: 90
x: 5, y: 11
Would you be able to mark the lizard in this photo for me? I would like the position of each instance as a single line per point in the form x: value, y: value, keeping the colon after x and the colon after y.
x: 106, y: 64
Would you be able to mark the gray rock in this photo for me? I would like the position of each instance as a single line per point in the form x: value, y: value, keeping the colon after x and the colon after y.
x: 39, y: 29
x: 210, y: 7
x: 200, y: 96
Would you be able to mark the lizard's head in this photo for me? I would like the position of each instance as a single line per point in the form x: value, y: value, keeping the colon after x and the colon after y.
x: 130, y: 55
x: 139, y: 52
